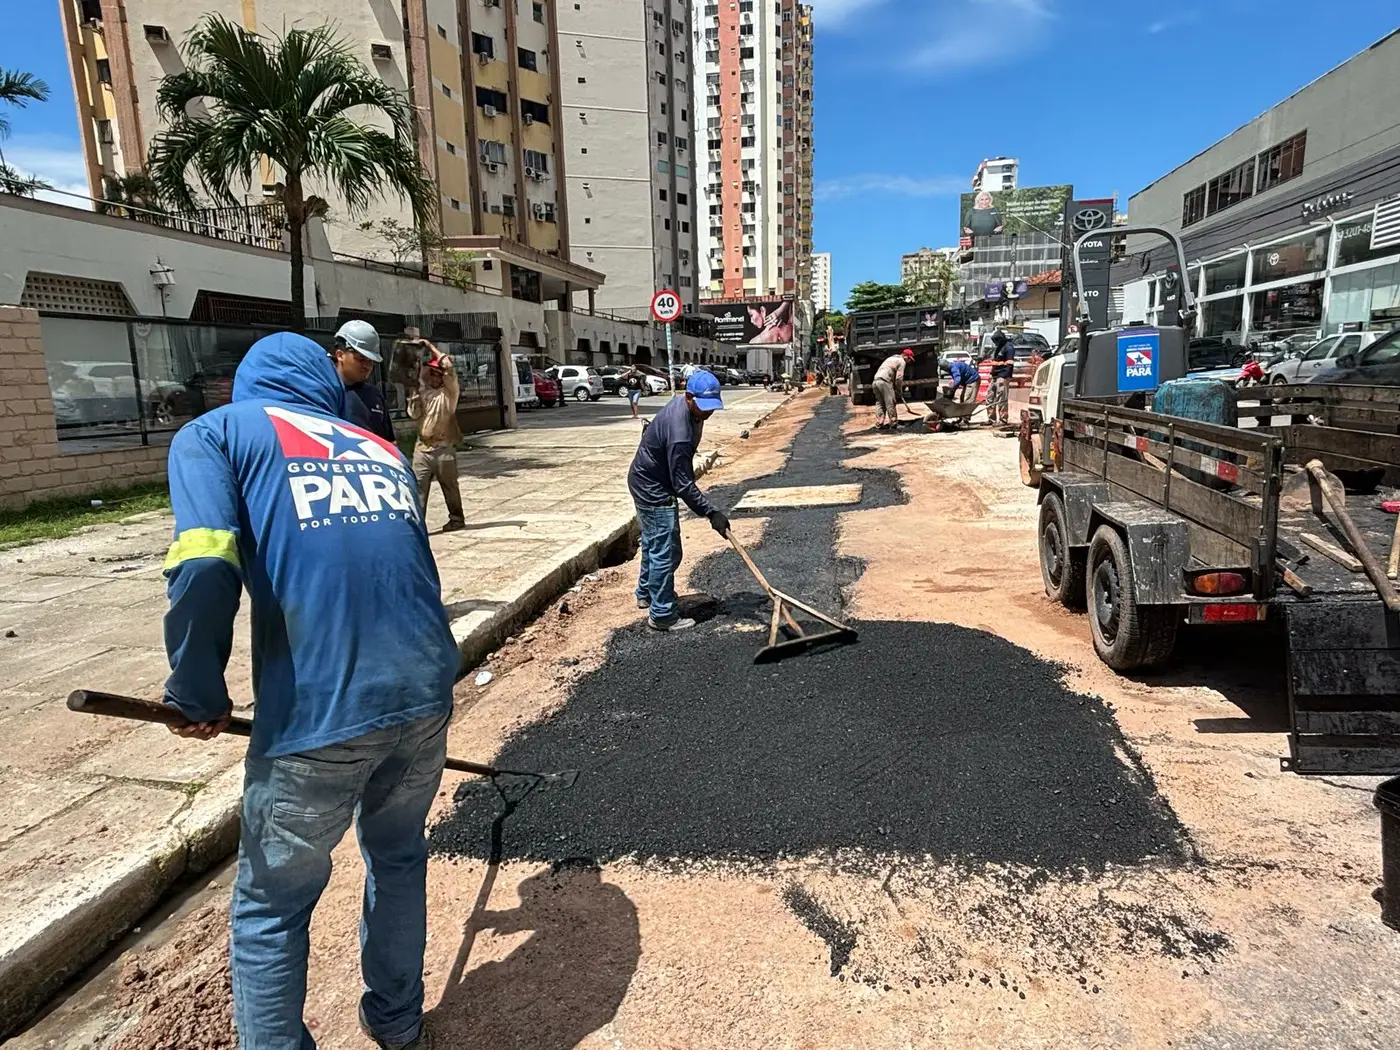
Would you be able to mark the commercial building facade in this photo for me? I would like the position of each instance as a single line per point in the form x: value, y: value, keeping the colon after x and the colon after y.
x: 482, y: 76
x: 821, y: 281
x: 1292, y: 223
x: 630, y: 136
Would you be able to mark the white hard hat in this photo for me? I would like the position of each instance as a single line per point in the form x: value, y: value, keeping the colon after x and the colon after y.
x: 361, y: 337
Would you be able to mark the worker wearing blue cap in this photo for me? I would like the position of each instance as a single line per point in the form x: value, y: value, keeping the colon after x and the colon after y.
x: 663, y: 472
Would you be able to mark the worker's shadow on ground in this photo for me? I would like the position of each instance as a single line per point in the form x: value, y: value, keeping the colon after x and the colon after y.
x: 564, y: 982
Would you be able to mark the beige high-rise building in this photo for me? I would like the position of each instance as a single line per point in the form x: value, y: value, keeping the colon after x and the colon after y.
x: 754, y: 94
x: 628, y: 133
x: 482, y: 76
x: 821, y: 281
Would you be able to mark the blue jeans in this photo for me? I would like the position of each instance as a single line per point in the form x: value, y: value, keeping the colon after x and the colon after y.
x: 661, y: 557
x: 295, y: 810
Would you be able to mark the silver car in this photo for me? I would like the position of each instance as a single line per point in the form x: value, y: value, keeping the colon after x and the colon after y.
x: 1321, y: 355
x: 580, y: 382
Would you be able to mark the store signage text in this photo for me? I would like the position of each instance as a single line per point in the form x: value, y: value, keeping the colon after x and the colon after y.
x: 1323, y: 205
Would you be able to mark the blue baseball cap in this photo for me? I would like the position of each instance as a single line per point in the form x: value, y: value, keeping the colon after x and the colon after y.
x: 704, y: 387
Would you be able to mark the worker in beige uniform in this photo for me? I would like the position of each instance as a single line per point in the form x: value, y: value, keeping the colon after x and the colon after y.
x: 433, y: 406
x: 889, y: 387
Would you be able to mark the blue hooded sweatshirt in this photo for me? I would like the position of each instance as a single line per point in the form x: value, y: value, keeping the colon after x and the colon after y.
x: 320, y: 521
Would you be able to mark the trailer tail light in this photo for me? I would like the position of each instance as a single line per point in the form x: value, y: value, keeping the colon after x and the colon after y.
x: 1218, y: 584
x: 1226, y: 612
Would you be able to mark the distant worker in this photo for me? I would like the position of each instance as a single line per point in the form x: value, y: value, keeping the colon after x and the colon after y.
x: 1003, y: 368
x: 355, y: 353
x: 966, y: 381
x: 663, y: 471
x: 433, y: 406
x: 889, y: 387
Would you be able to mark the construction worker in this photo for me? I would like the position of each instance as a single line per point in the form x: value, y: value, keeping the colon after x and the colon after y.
x: 1003, y: 368
x: 889, y: 387
x: 662, y: 472
x: 355, y: 353
x: 433, y: 406
x: 966, y: 381
x: 353, y: 664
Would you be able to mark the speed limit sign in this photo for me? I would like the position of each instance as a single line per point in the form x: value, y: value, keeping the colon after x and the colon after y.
x: 666, y: 306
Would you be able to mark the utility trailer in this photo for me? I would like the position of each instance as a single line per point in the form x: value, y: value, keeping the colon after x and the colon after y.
x: 873, y: 335
x: 1153, y: 521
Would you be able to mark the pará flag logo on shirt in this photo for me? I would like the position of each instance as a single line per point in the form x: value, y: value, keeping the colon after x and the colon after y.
x: 310, y: 437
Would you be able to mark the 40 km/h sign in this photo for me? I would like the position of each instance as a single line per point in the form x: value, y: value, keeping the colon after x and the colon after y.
x: 666, y: 306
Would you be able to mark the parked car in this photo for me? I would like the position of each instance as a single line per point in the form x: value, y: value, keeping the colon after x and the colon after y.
x: 757, y: 378
x: 548, y: 392
x: 657, y: 383
x: 94, y: 392
x: 1375, y: 365
x: 580, y: 382
x: 1321, y: 356
x: 611, y: 376
x: 946, y: 359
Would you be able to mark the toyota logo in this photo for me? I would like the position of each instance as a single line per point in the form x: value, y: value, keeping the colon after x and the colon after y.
x: 1274, y: 258
x: 1090, y: 219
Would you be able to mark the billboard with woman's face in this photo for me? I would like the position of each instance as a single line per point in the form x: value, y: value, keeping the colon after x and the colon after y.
x: 753, y: 322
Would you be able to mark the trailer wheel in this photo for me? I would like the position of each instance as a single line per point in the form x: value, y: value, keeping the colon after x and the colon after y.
x: 1127, y: 636
x: 1030, y: 456
x: 1060, y: 568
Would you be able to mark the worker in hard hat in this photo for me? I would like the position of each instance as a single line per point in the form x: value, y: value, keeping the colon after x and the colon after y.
x: 433, y: 406
x: 355, y: 353
x: 889, y: 387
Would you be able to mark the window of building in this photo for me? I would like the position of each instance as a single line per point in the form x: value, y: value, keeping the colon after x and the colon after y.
x: 661, y: 79
x: 1282, y: 162
x: 104, y: 71
x: 508, y: 205
x: 747, y: 141
x: 661, y: 194
x: 663, y: 166
x: 527, y: 59
x: 682, y: 199
x: 712, y: 78
x: 452, y: 148
x: 717, y: 273
x: 1292, y: 308
x: 493, y: 152
x: 483, y: 45
x: 104, y: 133
x: 442, y: 32
x: 1193, y: 206
x: 1225, y: 276
x: 685, y: 227
x: 663, y: 109
x: 685, y: 116
x: 658, y: 18
x: 497, y: 100
x: 537, y: 160
x: 455, y: 204
x: 1293, y: 258
x: 716, y: 143
x: 661, y: 138
x: 682, y: 143
x: 685, y: 281
x: 746, y: 52
x: 1354, y: 242
x: 534, y: 112
x: 538, y: 12
x: 661, y: 48
x: 746, y: 29
x: 1231, y: 188
x: 446, y: 90
x: 666, y: 224
x: 750, y: 271
x: 682, y: 172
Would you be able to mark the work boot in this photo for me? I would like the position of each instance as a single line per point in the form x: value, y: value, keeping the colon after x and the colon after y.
x: 423, y: 1042
x: 642, y: 603
x: 685, y: 623
x: 454, y: 526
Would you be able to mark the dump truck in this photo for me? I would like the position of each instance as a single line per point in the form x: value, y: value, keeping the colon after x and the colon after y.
x: 873, y: 335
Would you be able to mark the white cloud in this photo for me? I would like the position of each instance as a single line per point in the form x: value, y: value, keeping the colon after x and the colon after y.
x: 1177, y: 19
x: 975, y: 32
x: 874, y: 184
x: 830, y: 14
x: 57, y: 161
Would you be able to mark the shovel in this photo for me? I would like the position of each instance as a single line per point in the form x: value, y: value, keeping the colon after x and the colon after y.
x: 91, y: 702
x: 776, y: 650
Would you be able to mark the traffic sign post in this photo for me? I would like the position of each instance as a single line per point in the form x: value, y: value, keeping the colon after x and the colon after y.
x: 666, y: 307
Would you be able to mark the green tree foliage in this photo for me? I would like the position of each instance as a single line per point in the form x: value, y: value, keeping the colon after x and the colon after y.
x: 19, y: 89
x: 299, y: 100
x: 933, y: 283
x: 871, y: 295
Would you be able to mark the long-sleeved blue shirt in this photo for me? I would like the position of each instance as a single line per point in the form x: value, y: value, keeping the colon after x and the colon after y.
x: 963, y: 374
x: 320, y: 521
x: 664, y: 467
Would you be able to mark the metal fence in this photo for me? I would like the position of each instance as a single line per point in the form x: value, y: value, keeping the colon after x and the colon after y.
x: 118, y: 383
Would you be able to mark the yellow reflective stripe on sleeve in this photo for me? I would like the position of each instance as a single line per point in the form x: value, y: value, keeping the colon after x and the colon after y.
x: 203, y: 543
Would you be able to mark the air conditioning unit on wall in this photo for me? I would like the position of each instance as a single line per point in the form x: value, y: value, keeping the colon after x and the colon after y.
x: 489, y: 110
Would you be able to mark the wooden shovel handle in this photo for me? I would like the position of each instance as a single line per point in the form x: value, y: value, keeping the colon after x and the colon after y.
x: 1330, y: 486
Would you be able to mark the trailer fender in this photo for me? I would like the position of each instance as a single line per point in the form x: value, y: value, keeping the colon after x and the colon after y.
x: 1080, y: 495
x: 1159, y: 547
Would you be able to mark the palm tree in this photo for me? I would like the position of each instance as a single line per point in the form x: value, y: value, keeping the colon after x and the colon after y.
x: 289, y: 98
x: 19, y: 89
x: 133, y: 195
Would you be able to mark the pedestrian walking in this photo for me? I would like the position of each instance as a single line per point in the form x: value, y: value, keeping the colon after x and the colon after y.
x: 889, y: 387
x: 632, y: 382
x: 433, y: 406
x: 318, y: 520
x: 355, y: 353
x: 1003, y: 368
x: 966, y: 381
x: 662, y: 472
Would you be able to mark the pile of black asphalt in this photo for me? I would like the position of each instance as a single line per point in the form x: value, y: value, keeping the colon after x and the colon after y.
x: 922, y: 739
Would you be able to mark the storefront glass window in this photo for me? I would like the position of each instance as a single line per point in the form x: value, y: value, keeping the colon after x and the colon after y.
x: 1224, y: 317
x: 1371, y: 298
x: 1225, y: 276
x: 1354, y: 242
x: 1293, y: 308
x: 1306, y: 254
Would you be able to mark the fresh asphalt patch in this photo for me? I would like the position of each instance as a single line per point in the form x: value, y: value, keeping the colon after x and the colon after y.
x: 923, y: 740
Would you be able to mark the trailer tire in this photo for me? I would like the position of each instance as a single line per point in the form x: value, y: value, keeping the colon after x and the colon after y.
x: 1060, y: 568
x: 1127, y: 636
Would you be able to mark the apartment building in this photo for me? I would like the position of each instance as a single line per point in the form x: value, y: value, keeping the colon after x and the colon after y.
x: 482, y: 75
x: 996, y: 174
x: 628, y: 130
x: 754, y: 93
x: 821, y: 281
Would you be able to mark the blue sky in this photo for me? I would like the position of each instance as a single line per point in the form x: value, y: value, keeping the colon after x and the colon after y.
x: 912, y: 94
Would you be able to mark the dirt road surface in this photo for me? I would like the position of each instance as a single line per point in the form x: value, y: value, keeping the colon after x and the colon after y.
x: 962, y: 831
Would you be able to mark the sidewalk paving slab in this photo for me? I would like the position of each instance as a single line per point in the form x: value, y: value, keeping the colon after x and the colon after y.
x: 100, y: 817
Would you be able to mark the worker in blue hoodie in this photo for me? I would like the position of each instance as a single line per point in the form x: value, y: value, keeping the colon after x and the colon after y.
x: 353, y: 666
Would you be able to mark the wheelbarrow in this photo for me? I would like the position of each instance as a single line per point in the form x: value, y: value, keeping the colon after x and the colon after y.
x: 946, y: 414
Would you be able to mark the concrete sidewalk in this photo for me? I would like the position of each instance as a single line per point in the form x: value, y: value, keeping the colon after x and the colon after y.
x: 98, y: 817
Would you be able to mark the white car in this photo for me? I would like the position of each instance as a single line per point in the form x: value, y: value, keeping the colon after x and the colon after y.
x: 1321, y: 355
x: 581, y: 382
